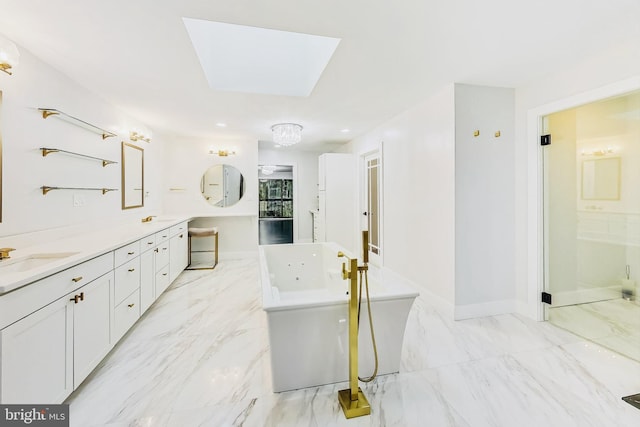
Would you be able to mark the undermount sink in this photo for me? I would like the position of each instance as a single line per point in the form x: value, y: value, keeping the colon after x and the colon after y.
x: 29, y: 262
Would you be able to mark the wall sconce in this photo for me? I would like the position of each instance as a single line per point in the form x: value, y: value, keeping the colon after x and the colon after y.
x: 9, y: 55
x: 598, y: 153
x: 135, y: 135
x: 221, y: 152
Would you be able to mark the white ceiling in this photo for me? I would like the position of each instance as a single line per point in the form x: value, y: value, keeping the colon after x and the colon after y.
x: 137, y: 54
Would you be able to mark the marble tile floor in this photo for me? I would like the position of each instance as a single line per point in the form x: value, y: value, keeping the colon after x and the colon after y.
x: 614, y: 324
x: 200, y: 357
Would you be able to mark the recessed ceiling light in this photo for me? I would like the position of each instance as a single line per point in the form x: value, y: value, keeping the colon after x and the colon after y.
x: 247, y: 59
x: 345, y: 130
x: 221, y: 125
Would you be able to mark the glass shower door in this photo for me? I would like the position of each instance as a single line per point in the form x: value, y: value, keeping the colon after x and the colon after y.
x: 592, y: 221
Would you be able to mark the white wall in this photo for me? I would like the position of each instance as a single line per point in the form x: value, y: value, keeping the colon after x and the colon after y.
x: 305, y: 183
x: 484, y: 192
x: 35, y: 84
x: 185, y: 161
x: 418, y: 186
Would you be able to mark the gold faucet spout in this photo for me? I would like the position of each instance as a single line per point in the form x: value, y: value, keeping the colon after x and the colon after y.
x: 4, y: 253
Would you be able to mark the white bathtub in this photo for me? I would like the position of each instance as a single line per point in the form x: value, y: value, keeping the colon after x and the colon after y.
x: 305, y: 299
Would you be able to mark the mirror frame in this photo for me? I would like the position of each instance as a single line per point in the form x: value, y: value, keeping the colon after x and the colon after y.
x: 615, y: 191
x: 243, y: 183
x: 124, y: 178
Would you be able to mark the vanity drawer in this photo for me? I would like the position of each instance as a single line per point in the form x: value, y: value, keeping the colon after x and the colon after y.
x: 162, y: 280
x: 161, y: 236
x: 24, y: 301
x: 177, y: 229
x: 162, y: 255
x: 127, y: 253
x: 125, y: 315
x: 127, y: 280
x: 147, y: 243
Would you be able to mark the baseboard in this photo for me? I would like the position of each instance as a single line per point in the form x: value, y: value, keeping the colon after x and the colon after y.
x: 305, y: 240
x: 238, y: 255
x: 493, y: 308
x: 585, y: 295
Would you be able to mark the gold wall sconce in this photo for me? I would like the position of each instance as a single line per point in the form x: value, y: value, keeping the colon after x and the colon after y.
x: 9, y: 55
x: 476, y: 133
x: 135, y: 135
x: 221, y: 152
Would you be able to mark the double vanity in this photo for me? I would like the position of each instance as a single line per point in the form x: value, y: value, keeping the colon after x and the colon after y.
x: 66, y: 303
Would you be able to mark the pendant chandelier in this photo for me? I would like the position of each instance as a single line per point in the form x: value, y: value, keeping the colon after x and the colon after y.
x: 286, y: 134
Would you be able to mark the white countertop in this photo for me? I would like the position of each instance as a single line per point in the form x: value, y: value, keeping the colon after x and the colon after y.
x: 86, y: 246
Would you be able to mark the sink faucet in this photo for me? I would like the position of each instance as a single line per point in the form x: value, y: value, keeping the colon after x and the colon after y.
x: 148, y: 219
x: 4, y: 253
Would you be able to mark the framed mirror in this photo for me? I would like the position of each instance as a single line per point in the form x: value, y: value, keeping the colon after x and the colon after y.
x: 132, y: 176
x: 222, y: 185
x: 601, y: 179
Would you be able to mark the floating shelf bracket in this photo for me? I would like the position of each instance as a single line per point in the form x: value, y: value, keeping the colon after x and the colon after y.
x: 48, y: 112
x: 46, y: 151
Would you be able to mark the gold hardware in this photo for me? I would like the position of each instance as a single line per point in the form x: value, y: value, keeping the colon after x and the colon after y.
x: 181, y: 236
x: 156, y: 250
x: 476, y: 133
x: 4, y: 253
x: 164, y: 274
x: 5, y: 67
x: 130, y: 253
x: 130, y: 305
x: 148, y: 218
x: 497, y: 134
x: 47, y: 151
x: 77, y: 298
x: 149, y: 243
x: 76, y: 279
x: 47, y: 113
x: 352, y: 400
x: 131, y: 270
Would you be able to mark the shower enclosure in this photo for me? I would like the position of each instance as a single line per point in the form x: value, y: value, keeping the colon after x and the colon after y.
x: 592, y: 221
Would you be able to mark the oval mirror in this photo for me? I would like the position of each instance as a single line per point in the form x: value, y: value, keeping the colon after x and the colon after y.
x: 222, y: 185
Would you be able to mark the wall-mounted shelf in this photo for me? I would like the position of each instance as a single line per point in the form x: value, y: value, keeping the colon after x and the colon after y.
x: 45, y: 189
x: 48, y: 112
x: 46, y: 151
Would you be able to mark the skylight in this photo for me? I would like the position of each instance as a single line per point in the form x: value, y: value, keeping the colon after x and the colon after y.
x: 246, y: 59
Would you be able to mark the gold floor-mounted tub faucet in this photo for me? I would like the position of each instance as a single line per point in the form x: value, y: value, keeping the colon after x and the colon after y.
x: 352, y: 400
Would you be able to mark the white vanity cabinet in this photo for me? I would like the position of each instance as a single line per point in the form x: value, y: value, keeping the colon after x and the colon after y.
x: 49, y: 349
x: 178, y: 253
x: 126, y: 296
x: 54, y: 331
x: 162, y: 262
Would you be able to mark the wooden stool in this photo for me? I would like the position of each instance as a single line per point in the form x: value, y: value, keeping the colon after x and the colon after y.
x: 204, y: 232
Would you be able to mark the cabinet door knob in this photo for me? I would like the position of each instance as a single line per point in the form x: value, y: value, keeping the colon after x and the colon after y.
x: 156, y: 250
x: 181, y: 235
x: 131, y: 270
x: 77, y: 279
x: 77, y: 298
x: 130, y: 305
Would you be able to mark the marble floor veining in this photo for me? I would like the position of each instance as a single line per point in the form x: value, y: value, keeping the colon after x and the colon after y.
x: 200, y: 357
x: 614, y: 324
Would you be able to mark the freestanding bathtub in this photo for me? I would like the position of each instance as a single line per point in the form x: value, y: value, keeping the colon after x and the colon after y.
x: 306, y: 299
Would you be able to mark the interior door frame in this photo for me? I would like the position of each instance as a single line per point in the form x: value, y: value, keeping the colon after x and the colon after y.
x: 535, y: 270
x: 363, y: 222
x: 294, y: 177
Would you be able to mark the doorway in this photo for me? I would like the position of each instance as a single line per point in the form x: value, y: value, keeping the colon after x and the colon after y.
x: 371, y: 200
x: 592, y: 221
x: 276, y: 204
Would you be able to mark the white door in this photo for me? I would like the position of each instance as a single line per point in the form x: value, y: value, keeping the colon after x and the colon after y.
x: 91, y: 326
x: 371, y: 192
x: 37, y: 356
